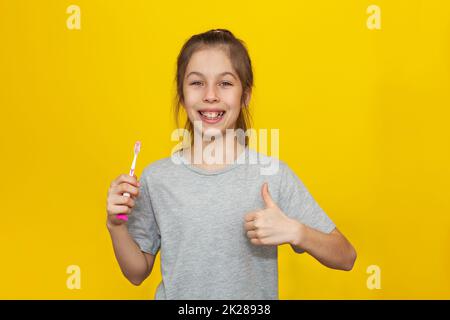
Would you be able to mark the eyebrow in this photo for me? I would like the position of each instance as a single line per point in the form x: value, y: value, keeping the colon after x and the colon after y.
x: 201, y: 75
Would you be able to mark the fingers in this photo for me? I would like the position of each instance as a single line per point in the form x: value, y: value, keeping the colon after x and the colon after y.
x: 125, y: 187
x: 250, y: 225
x: 118, y: 204
x: 266, y: 196
x: 123, y: 200
x: 257, y: 237
x: 251, y: 216
x: 118, y: 209
x: 125, y: 178
x: 256, y: 241
x: 252, y: 234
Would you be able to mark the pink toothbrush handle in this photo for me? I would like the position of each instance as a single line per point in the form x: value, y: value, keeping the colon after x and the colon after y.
x: 122, y: 217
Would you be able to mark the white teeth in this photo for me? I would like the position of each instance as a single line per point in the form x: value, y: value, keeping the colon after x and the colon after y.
x: 212, y: 115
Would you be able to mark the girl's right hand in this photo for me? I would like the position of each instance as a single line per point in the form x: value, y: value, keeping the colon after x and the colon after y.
x: 116, y: 202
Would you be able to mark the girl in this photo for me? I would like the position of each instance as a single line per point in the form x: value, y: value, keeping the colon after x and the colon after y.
x: 216, y: 222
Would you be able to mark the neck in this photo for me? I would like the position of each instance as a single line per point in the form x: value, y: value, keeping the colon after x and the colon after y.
x: 220, y: 151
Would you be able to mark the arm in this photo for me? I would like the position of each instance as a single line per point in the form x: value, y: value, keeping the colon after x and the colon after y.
x: 136, y: 265
x: 271, y: 226
x: 333, y: 250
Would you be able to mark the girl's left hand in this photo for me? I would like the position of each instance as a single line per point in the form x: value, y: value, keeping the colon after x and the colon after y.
x: 271, y: 226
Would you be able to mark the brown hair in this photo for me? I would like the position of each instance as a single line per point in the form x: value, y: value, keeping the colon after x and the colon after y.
x: 240, y: 59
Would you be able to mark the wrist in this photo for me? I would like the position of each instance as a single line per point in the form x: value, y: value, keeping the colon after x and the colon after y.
x: 299, y: 234
x: 112, y: 226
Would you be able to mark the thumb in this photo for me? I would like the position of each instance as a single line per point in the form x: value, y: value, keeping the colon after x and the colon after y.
x: 266, y: 196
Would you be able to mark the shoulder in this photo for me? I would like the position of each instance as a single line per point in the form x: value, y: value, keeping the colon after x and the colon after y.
x: 268, y: 165
x: 158, y: 168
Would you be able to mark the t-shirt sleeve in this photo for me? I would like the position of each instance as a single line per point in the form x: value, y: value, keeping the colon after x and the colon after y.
x: 298, y: 203
x: 142, y: 225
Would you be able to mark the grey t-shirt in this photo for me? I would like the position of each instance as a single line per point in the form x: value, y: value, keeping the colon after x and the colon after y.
x: 195, y: 218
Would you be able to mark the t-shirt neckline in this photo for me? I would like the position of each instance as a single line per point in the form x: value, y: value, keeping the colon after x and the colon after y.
x: 241, y: 159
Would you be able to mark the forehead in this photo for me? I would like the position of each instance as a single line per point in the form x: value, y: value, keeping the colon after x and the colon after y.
x: 210, y: 61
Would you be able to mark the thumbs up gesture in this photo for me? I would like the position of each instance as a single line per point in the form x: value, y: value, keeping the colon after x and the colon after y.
x: 271, y: 226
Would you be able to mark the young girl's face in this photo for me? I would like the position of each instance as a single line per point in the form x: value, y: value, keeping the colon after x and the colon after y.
x: 212, y: 91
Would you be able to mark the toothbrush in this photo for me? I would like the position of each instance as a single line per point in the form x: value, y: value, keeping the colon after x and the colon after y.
x: 137, y: 148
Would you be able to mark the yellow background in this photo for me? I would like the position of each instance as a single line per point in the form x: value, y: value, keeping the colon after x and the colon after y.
x: 363, y: 118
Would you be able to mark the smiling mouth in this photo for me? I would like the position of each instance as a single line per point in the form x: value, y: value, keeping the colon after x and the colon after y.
x: 211, y: 115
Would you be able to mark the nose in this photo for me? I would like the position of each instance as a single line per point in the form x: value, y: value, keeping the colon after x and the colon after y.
x: 211, y: 95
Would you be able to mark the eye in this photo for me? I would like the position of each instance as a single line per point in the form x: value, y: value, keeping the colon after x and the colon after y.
x: 195, y: 83
x: 226, y: 83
